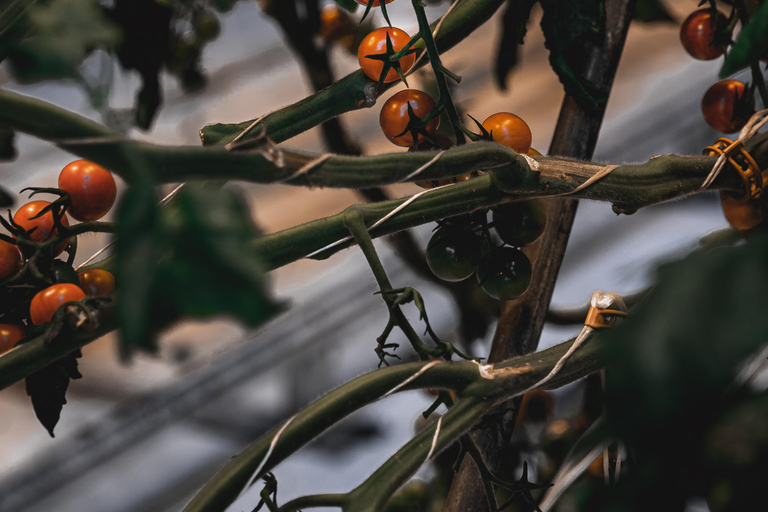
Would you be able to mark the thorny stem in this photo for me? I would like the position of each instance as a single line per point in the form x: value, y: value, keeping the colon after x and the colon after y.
x: 440, y: 71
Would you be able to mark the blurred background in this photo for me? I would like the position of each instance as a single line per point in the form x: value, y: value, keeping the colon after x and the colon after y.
x: 145, y: 436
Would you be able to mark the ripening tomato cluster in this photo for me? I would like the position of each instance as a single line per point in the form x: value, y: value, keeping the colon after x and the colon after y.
x: 87, y: 192
x: 728, y: 104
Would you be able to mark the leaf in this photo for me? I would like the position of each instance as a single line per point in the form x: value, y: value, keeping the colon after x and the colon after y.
x: 139, y: 248
x: 349, y: 5
x: 751, y: 46
x: 651, y: 11
x: 57, y: 36
x: 214, y: 269
x: 8, y: 151
x: 568, y: 27
x: 47, y: 389
x: 514, y: 28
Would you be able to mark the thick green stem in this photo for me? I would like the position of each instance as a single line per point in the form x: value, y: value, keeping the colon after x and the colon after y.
x: 314, y: 501
x: 439, y: 70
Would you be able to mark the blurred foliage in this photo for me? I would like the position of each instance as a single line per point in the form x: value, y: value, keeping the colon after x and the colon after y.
x: 649, y: 11
x: 671, y: 375
x: 514, y: 27
x: 47, y: 389
x: 193, y: 258
x: 568, y: 28
x: 751, y: 45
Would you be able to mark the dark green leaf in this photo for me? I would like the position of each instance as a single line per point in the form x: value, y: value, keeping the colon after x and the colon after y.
x: 47, y: 389
x: 568, y: 29
x: 683, y: 344
x: 139, y: 248
x: 650, y: 11
x: 58, y: 36
x: 213, y: 269
x: 514, y: 27
x: 752, y: 44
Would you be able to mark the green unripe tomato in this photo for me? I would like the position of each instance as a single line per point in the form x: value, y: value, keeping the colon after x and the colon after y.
x: 64, y: 273
x: 506, y: 274
x: 520, y: 223
x: 453, y: 253
x: 206, y: 25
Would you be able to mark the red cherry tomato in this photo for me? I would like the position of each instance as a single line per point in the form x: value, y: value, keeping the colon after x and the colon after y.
x: 46, y: 302
x: 96, y: 282
x: 91, y: 188
x: 375, y: 43
x: 509, y: 130
x: 375, y: 3
x: 702, y: 34
x: 10, y: 335
x: 394, y: 115
x: 44, y: 224
x: 725, y: 107
x: 10, y: 260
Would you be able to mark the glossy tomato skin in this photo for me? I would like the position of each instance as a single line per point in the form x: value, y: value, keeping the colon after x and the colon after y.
x: 91, y: 188
x: 741, y: 215
x: 10, y: 335
x: 394, y: 115
x: 506, y: 275
x: 44, y: 224
x: 453, y: 253
x: 375, y: 43
x: 724, y: 106
x: 520, y: 223
x: 10, y: 260
x: 45, y: 303
x: 97, y: 282
x: 702, y: 34
x: 509, y: 130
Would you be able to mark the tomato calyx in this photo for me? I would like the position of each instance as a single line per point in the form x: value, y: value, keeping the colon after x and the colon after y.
x: 373, y: 3
x: 417, y: 126
x: 389, y: 62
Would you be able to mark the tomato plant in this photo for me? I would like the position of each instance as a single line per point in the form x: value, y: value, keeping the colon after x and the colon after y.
x: 509, y: 130
x: 90, y: 187
x: 703, y: 34
x: 396, y: 117
x: 97, y: 282
x: 45, y: 303
x: 375, y: 44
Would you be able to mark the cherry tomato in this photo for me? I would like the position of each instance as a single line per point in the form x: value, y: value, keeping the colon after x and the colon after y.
x: 46, y: 302
x: 10, y: 335
x: 453, y: 253
x: 520, y: 223
x: 509, y: 130
x: 536, y: 406
x: 63, y: 272
x: 533, y: 153
x: 506, y: 275
x: 741, y: 214
x: 375, y: 3
x: 91, y: 188
x: 334, y: 23
x: 44, y: 224
x: 375, y: 43
x: 96, y: 282
x: 703, y: 34
x: 10, y: 260
x: 725, y: 106
x: 394, y: 116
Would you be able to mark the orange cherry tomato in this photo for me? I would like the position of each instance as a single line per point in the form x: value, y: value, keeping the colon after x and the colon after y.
x: 91, y: 188
x: 46, y: 302
x: 394, y: 115
x: 741, y: 214
x: 10, y: 335
x: 334, y: 23
x: 725, y: 108
x: 375, y: 43
x: 10, y: 260
x: 703, y: 34
x: 44, y: 224
x: 509, y: 130
x: 533, y: 153
x: 96, y: 282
